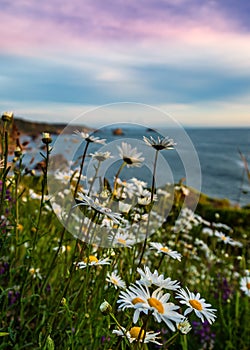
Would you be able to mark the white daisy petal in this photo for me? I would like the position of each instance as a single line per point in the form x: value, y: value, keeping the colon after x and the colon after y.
x: 197, y: 304
x: 130, y: 155
x: 136, y: 334
x: 165, y: 250
x: 159, y: 144
x: 245, y: 285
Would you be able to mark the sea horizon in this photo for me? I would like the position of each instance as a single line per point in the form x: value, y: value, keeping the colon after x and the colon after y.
x: 215, y: 150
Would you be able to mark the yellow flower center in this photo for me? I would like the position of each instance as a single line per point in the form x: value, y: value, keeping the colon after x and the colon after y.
x: 20, y: 227
x: 223, y: 237
x: 121, y: 240
x: 114, y: 281
x: 164, y: 249
x: 248, y: 285
x: 137, y: 300
x: 153, y: 302
x: 90, y: 259
x: 137, y: 333
x: 195, y: 304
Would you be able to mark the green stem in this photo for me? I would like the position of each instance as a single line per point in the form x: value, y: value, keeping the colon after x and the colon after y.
x: 59, y: 297
x: 52, y: 265
x: 153, y: 179
x: 160, y: 262
x: 170, y: 340
x: 152, y: 198
x: 143, y: 330
x: 120, y: 327
x: 94, y: 178
x: 5, y: 147
x: 44, y: 189
x: 17, y: 181
x: 145, y: 242
x: 184, y: 343
x: 81, y: 168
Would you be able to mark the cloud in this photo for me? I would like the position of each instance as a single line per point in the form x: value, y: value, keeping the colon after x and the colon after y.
x: 166, y: 52
x: 198, y: 114
x: 68, y: 24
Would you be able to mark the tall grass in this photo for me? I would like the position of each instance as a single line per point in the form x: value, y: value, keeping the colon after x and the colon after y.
x: 63, y: 291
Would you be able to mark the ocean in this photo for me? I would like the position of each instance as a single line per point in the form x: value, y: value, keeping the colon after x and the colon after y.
x: 223, y: 171
x: 207, y: 159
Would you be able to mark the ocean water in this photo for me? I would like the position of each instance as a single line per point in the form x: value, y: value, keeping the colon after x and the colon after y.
x: 223, y: 171
x: 215, y: 150
x: 206, y: 159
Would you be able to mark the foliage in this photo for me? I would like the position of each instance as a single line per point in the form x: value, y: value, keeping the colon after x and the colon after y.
x: 52, y: 287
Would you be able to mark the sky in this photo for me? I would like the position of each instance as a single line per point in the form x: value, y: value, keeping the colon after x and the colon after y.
x: 188, y: 58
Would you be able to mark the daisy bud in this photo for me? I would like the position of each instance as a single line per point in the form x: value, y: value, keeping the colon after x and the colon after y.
x: 46, y: 138
x: 18, y: 151
x: 63, y: 301
x: 105, y: 308
x: 7, y: 116
x: 184, y: 327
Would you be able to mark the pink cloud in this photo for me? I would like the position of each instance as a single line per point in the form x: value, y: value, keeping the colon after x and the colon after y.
x: 64, y: 25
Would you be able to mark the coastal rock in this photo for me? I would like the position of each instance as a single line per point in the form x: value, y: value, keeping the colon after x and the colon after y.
x: 118, y: 132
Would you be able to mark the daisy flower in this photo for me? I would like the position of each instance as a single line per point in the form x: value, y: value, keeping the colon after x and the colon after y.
x: 187, y: 219
x: 92, y: 261
x: 165, y: 250
x: 139, y: 298
x: 89, y: 138
x: 245, y: 285
x: 161, y: 309
x: 137, y: 334
x: 133, y: 298
x: 66, y: 176
x: 122, y: 240
x: 35, y: 273
x: 197, y: 304
x: 144, y: 197
x: 116, y: 280
x: 159, y: 144
x: 62, y: 249
x: 101, y: 156
x: 124, y: 207
x: 130, y: 155
x: 222, y: 237
x: 148, y: 279
x: 141, y: 185
x: 207, y: 231
x: 125, y: 189
x: 84, y: 200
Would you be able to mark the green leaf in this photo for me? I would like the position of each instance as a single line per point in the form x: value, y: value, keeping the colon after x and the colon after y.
x: 50, y: 345
x: 3, y: 334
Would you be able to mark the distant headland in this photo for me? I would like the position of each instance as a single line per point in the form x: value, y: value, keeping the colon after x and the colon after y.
x: 34, y: 129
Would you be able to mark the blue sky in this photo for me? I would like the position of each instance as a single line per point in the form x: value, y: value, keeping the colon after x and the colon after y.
x: 189, y: 58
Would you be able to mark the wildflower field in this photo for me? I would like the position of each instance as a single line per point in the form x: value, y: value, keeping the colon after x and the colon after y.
x: 91, y: 264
